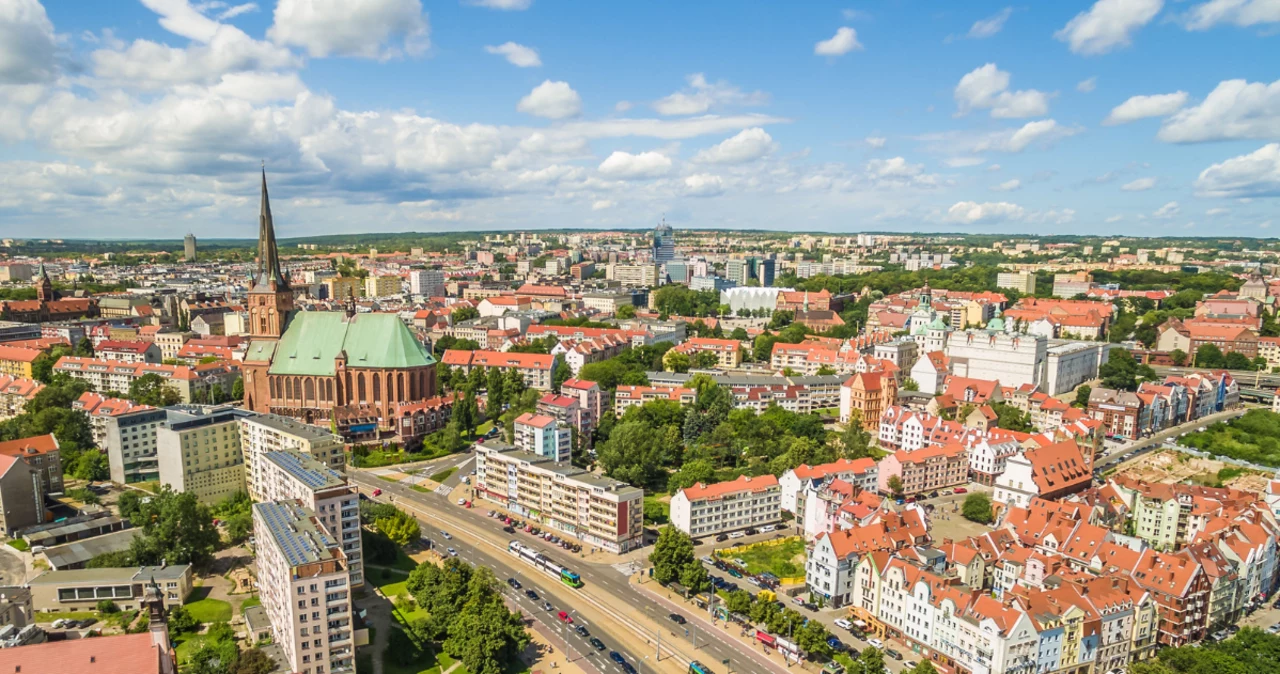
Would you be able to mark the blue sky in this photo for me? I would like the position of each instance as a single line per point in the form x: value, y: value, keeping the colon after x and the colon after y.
x: 1121, y: 116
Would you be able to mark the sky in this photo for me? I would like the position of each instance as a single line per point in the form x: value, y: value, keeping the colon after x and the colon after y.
x: 153, y: 118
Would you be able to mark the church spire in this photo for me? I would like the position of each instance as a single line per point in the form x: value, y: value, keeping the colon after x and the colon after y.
x: 269, y: 270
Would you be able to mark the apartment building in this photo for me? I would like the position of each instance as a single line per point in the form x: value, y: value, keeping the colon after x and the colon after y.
x: 198, y: 451
x: 263, y: 433
x: 130, y: 441
x: 711, y: 509
x: 289, y: 475
x: 99, y: 408
x: 590, y: 399
x: 14, y: 394
x: 305, y: 588
x: 382, y: 286
x: 136, y: 351
x: 629, y: 396
x: 634, y: 275
x: 543, y: 435
x: 188, y: 381
x: 427, y: 282
x: 171, y: 343
x: 867, y: 395
x: 16, y: 361
x: 536, y: 368
x: 1023, y: 281
x: 598, y: 511
x: 928, y: 469
x: 21, y: 495
x: 728, y: 351
x: 1070, y: 364
x: 342, y: 287
x: 42, y: 453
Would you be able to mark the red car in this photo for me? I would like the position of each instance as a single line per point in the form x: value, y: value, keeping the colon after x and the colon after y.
x: 961, y: 490
x: 565, y: 618
x: 377, y: 492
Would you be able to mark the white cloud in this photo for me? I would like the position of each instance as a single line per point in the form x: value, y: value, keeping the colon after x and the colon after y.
x: 150, y: 65
x: 703, y: 185
x: 602, y: 204
x: 702, y: 95
x: 993, y: 167
x: 1114, y: 219
x: 516, y: 54
x: 1086, y: 86
x: 27, y: 43
x: 748, y: 145
x: 987, y: 87
x: 627, y: 166
x: 553, y: 100
x: 1107, y: 25
x: 1218, y: 211
x: 1234, y: 110
x: 1256, y: 174
x: 237, y: 10
x: 963, y: 162
x: 504, y: 5
x: 972, y: 213
x: 1141, y: 107
x: 667, y: 129
x: 962, y: 145
x: 899, y: 172
x: 990, y: 25
x: 380, y: 29
x: 876, y: 141
x: 1243, y: 13
x: 844, y: 41
x: 1139, y: 185
x: 622, y: 106
x: 1007, y: 186
x: 1167, y: 211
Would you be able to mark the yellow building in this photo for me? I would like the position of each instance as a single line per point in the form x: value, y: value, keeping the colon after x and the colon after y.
x: 341, y: 287
x: 382, y: 286
x: 16, y: 361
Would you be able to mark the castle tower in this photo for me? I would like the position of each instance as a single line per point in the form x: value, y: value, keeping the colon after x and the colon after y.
x: 270, y: 298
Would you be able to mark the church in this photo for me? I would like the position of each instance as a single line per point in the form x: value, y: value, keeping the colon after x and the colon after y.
x: 48, y: 305
x: 311, y: 365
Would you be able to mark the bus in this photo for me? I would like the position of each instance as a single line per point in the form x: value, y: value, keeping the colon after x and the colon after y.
x: 538, y: 560
x: 696, y: 667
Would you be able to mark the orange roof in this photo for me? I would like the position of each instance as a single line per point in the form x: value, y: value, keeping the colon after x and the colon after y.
x: 702, y: 491
x: 121, y: 654
x: 39, y: 444
x: 19, y: 354
x: 538, y: 361
x: 805, y: 472
x: 536, y: 420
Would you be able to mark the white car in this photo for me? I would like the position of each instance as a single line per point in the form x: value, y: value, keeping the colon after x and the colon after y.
x: 908, y: 665
x: 453, y: 553
x: 767, y: 528
x: 844, y: 624
x: 876, y: 643
x: 738, y: 534
x: 462, y: 501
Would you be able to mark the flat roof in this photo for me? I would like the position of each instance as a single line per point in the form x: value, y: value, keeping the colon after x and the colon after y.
x: 564, y: 468
x: 295, y: 532
x: 286, y: 425
x: 119, y: 575
x: 306, y: 470
x: 77, y: 552
x: 87, y: 525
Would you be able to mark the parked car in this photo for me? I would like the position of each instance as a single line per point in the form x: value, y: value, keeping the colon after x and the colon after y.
x: 876, y: 643
x: 835, y: 644
x: 752, y: 531
x: 961, y: 490
x: 736, y: 534
x: 767, y: 528
x: 515, y: 584
x: 844, y: 624
x: 707, y: 559
x: 908, y: 665
x: 462, y: 501
x: 720, y: 538
x: 734, y: 572
x: 509, y: 530
x: 597, y: 644
x: 893, y: 654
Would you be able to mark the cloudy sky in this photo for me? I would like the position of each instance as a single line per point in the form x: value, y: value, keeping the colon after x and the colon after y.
x: 151, y: 118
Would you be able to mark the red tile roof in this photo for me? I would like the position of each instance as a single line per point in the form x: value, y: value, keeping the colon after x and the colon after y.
x: 123, y: 654
x: 702, y: 491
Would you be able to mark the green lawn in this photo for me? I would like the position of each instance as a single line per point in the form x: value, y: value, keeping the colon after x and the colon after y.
x: 209, y: 610
x: 388, y: 478
x: 188, y: 644
x: 444, y: 474
x: 655, y: 511
x: 18, y: 544
x: 255, y: 600
x: 65, y: 615
x: 784, y: 561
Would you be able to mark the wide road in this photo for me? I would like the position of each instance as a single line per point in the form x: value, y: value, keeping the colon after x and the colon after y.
x: 607, y: 590
x: 1244, y: 378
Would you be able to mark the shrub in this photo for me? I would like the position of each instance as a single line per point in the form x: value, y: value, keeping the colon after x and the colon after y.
x: 107, y: 606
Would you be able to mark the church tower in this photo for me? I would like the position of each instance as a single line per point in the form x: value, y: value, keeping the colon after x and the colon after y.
x: 44, y: 287
x: 270, y: 297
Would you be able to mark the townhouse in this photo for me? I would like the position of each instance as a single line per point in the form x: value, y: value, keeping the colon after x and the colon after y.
x: 924, y: 470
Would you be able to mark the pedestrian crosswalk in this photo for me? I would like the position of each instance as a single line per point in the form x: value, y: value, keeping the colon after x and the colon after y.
x: 444, y: 490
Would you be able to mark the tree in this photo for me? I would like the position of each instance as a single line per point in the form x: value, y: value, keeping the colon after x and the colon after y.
x: 401, y: 528
x: 1178, y: 356
x: 676, y: 361
x: 107, y: 606
x: 42, y: 368
x: 485, y: 636
x: 706, y: 360
x: 1237, y: 361
x: 181, y: 621
x: 1082, y: 396
x: 855, y: 439
x: 129, y: 503
x: 1122, y: 372
x: 494, y: 391
x: 239, y: 527
x: 462, y: 413
x: 694, y: 576
x: 626, y: 311
x: 401, y: 649
x: 977, y: 508
x: 441, y: 591
x: 254, y: 661
x: 1011, y: 418
x: 910, y: 384
x: 176, y: 528
x: 739, y: 333
x: 561, y: 374
x: 895, y: 485
x: 636, y: 453
x: 812, y: 637
x: 1209, y: 355
x: 711, y: 407
x: 672, y: 553
x: 84, y: 348
x: 153, y: 390
x: 92, y: 465
x: 463, y: 314
x: 691, y: 473
x: 872, y: 661
x: 923, y: 667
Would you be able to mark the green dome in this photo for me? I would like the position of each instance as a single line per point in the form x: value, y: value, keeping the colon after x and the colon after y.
x: 938, y: 324
x: 920, y: 328
x: 996, y: 324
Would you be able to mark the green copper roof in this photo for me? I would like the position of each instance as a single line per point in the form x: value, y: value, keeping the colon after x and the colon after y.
x: 938, y: 324
x: 313, y: 339
x: 996, y: 324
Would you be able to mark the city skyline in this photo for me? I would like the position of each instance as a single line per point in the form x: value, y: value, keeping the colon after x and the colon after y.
x: 1121, y: 117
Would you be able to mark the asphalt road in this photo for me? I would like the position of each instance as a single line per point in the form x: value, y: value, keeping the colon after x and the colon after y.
x: 606, y: 588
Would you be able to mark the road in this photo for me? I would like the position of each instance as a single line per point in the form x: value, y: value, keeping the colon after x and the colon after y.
x: 1144, y: 445
x: 1244, y: 378
x: 607, y: 591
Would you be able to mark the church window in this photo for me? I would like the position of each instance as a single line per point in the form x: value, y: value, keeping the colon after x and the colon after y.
x: 311, y: 390
x: 377, y: 387
x: 360, y: 393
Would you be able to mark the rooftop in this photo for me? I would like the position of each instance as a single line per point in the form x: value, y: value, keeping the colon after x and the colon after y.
x: 296, y: 533
x: 306, y: 470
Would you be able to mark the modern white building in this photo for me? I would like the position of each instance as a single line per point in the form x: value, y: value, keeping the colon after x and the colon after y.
x: 992, y: 354
x: 707, y: 510
x: 130, y: 441
x: 751, y: 299
x: 264, y: 433
x: 1022, y: 281
x: 427, y: 282
x: 543, y: 435
x: 1070, y: 364
x: 289, y: 475
x: 829, y: 568
x: 305, y: 588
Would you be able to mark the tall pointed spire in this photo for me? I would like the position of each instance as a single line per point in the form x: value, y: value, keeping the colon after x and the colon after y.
x: 269, y: 270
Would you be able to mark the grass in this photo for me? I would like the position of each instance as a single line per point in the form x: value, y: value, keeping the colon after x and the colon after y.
x: 188, y: 644
x: 776, y: 559
x: 255, y: 600
x: 207, y: 610
x: 422, y: 489
x: 389, y: 478
x: 364, y: 662
x: 65, y: 615
x: 152, y: 486
x: 18, y: 544
x: 444, y: 474
x: 655, y: 511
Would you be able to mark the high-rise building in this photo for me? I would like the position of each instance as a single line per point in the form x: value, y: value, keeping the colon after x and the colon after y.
x: 427, y: 282
x: 664, y: 243
x: 265, y: 433
x: 765, y: 272
x: 289, y: 474
x: 189, y: 247
x: 382, y: 286
x: 678, y: 271
x: 740, y: 270
x: 198, y: 451
x: 305, y: 587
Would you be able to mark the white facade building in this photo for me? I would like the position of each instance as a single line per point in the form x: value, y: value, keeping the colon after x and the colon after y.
x: 427, y: 282
x: 707, y: 510
x: 269, y: 432
x: 1013, y: 360
x: 291, y: 475
x: 1070, y: 364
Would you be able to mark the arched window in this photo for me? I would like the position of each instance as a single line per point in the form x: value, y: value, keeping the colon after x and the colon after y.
x: 360, y: 393
x: 311, y: 390
x: 400, y: 387
x: 377, y: 387
x: 288, y: 388
x: 271, y: 387
x: 328, y: 390
x: 413, y: 385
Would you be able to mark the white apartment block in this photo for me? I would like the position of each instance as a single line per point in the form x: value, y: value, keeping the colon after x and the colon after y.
x: 428, y: 282
x: 596, y: 510
x: 305, y: 589
x: 269, y: 432
x: 707, y: 510
x: 1070, y: 364
x: 1013, y: 360
x: 543, y: 435
x: 198, y: 451
x: 289, y: 475
x: 636, y: 275
x: 1023, y: 281
x: 130, y: 441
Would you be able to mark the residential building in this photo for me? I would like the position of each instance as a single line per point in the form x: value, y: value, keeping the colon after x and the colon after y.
x: 543, y: 435
x: 144, y: 653
x: 189, y: 247
x: 708, y: 510
x: 536, y: 368
x: 634, y: 275
x: 188, y: 381
x: 82, y: 589
x: 382, y: 286
x: 341, y: 287
x: 608, y: 302
x: 41, y: 452
x: 415, y: 421
x: 129, y: 352
x: 930, y: 371
x: 427, y: 282
x: 1049, y: 472
x: 865, y: 396
x: 16, y: 361
x: 728, y: 351
x: 263, y: 433
x: 14, y: 394
x: 927, y: 469
x: 21, y: 495
x: 860, y: 473
x: 629, y: 396
x: 305, y: 587
x: 598, y: 511
x: 590, y: 399
x: 171, y: 342
x: 1070, y: 364
x: 1120, y: 412
x: 1189, y: 336
x: 1024, y: 281
x: 130, y: 441
x: 198, y: 451
x: 288, y: 475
